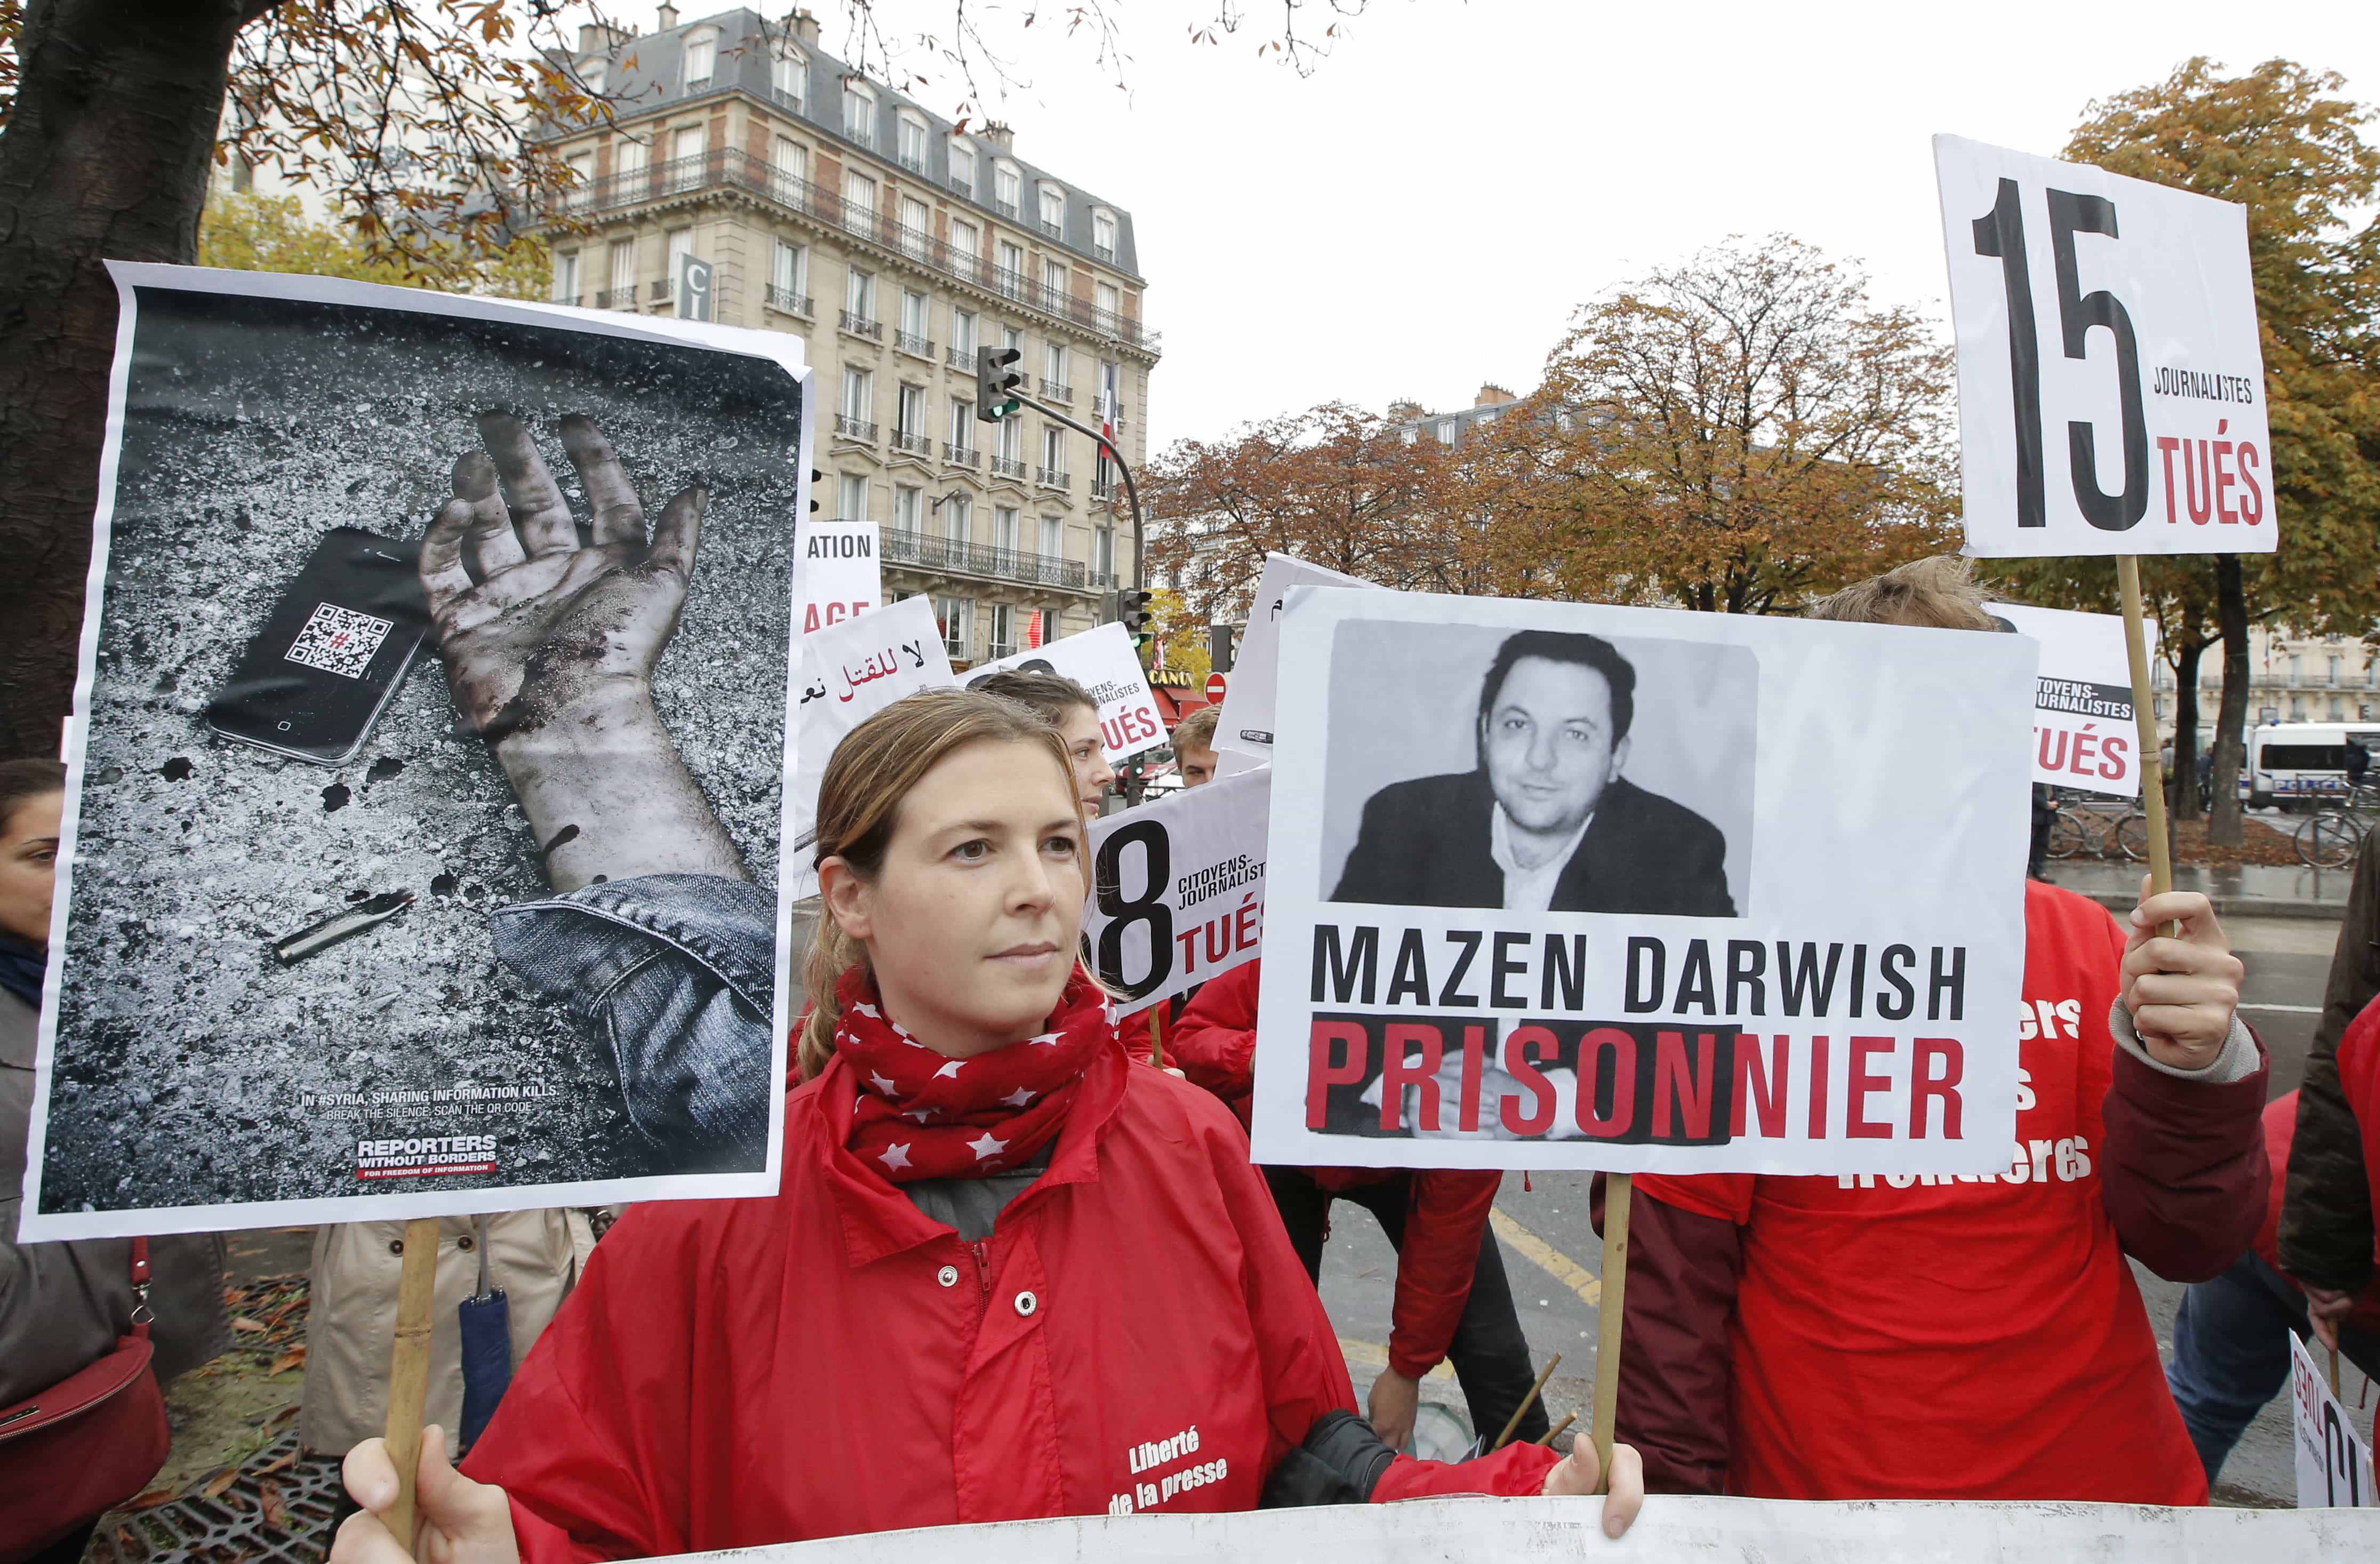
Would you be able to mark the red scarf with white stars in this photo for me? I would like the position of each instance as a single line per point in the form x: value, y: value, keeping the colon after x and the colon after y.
x: 923, y: 1116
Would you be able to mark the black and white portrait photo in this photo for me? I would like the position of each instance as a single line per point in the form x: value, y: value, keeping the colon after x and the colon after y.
x: 1539, y: 770
x: 429, y: 795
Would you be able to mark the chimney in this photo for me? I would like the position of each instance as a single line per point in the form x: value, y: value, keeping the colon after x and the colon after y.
x: 1492, y: 395
x: 806, y: 28
x: 1405, y: 412
x: 596, y: 37
x: 666, y: 16
x: 999, y: 135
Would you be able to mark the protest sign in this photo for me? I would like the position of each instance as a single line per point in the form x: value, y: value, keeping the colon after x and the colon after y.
x: 2111, y: 382
x: 1105, y: 662
x: 1764, y: 914
x: 379, y: 745
x: 1178, y: 888
x: 1246, y: 722
x: 842, y: 573
x: 1673, y: 1528
x: 2085, y: 735
x: 850, y: 671
x: 2334, y: 1465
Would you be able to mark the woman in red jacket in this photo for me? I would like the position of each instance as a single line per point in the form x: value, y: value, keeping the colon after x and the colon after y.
x: 1006, y: 1274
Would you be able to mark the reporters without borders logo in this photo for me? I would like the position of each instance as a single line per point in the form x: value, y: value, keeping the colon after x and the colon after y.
x: 424, y: 1157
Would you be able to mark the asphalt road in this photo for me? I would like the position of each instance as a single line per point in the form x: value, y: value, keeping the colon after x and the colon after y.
x: 1553, y: 1257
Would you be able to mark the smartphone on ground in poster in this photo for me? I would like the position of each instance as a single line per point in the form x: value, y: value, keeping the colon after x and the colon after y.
x: 333, y: 651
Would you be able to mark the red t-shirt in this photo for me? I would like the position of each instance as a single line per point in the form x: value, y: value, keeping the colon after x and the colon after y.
x: 1976, y: 1338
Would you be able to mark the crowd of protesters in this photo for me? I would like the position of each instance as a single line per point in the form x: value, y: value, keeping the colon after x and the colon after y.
x: 1013, y: 1268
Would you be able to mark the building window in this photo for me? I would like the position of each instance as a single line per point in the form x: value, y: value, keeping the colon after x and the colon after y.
x: 1011, y: 281
x: 962, y: 167
x: 1053, y: 366
x: 1103, y: 553
x: 859, y: 112
x: 908, y: 509
x: 958, y: 518
x: 1007, y: 187
x: 789, y: 278
x: 1053, y: 285
x: 1003, y: 631
x: 1053, y: 537
x: 1053, y: 210
x: 789, y: 169
x: 701, y: 49
x: 916, y: 225
x: 851, y: 501
x: 912, y: 150
x: 860, y: 200
x: 963, y: 336
x: 623, y: 293
x: 1110, y: 301
x: 913, y: 307
x: 2297, y: 709
x: 962, y: 426
x: 1043, y: 628
x: 1012, y: 441
x: 686, y: 158
x: 910, y: 416
x: 565, y: 278
x: 681, y: 246
x: 628, y: 160
x: 1103, y: 233
x: 859, y: 298
x: 965, y: 249
x: 2334, y: 669
x: 594, y: 73
x: 789, y: 75
x: 578, y: 197
x: 1004, y: 528
x: 859, y: 404
x: 957, y: 616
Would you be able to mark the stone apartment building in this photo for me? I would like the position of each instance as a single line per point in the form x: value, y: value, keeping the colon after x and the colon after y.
x: 2291, y: 678
x: 896, y: 246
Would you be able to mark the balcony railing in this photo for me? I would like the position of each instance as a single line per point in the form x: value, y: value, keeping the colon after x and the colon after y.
x: 964, y: 187
x: 854, y: 428
x: 1002, y: 468
x: 914, y: 162
x: 1103, y: 493
x: 617, y: 298
x: 789, y: 301
x: 962, y: 357
x: 1006, y: 209
x: 913, y: 444
x: 908, y: 343
x: 1055, y: 230
x: 1053, y: 478
x: 731, y: 168
x: 1057, y: 391
x: 1104, y: 252
x: 860, y: 325
x: 902, y: 547
x: 961, y: 456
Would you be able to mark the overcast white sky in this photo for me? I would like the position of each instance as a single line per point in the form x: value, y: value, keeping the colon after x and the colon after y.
x: 1425, y: 211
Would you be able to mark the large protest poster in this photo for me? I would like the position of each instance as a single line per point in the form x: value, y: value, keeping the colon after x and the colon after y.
x: 1104, y: 662
x: 2334, y: 1463
x: 1557, y: 885
x: 2111, y: 378
x: 2083, y: 732
x: 850, y: 671
x: 434, y: 648
x: 1177, y: 888
x: 1244, y: 725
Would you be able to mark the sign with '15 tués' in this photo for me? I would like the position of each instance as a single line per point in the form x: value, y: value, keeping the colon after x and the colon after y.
x: 2111, y: 385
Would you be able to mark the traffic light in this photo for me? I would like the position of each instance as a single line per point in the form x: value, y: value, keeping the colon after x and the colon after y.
x: 1138, y: 616
x: 994, y: 380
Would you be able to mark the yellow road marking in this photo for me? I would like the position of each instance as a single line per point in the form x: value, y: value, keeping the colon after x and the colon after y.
x: 1547, y: 1258
x: 1371, y: 1354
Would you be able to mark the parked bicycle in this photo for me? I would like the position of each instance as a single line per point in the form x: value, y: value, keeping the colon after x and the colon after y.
x: 2333, y: 833
x: 2105, y: 827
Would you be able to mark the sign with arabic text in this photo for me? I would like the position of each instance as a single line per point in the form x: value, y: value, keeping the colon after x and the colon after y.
x: 850, y: 671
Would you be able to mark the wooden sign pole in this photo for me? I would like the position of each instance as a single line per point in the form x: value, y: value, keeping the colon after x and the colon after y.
x: 409, y: 1368
x: 2136, y: 649
x: 1157, y: 1034
x: 1617, y: 1190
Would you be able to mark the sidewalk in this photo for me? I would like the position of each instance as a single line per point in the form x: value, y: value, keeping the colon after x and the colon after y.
x: 2244, y: 890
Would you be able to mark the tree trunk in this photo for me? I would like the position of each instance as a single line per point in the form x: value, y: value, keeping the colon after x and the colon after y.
x: 106, y: 158
x: 2183, y: 774
x: 2223, y: 825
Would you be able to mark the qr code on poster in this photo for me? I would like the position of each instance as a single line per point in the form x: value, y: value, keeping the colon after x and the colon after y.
x: 339, y: 640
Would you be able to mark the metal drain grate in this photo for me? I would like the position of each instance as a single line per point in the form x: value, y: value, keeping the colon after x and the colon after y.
x: 277, y: 1510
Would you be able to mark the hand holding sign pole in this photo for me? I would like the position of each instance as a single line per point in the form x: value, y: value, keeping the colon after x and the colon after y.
x: 2144, y: 343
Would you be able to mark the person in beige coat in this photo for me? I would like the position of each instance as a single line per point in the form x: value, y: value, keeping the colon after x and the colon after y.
x: 533, y: 1256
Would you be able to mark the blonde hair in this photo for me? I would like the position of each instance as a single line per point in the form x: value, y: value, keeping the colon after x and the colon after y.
x: 860, y: 803
x: 1939, y: 593
x: 1198, y: 730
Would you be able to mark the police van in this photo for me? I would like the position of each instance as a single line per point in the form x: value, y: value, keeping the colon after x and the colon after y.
x: 2295, y: 764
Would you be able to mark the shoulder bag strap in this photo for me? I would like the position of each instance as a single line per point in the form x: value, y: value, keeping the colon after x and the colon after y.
x: 141, y: 1315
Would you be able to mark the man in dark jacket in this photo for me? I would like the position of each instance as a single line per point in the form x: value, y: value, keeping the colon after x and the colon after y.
x: 2326, y: 1222
x: 1546, y: 822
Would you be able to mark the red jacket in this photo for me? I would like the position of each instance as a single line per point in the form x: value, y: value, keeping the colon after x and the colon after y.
x: 829, y: 1360
x: 1214, y: 1046
x: 2280, y: 1131
x: 1970, y: 1338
